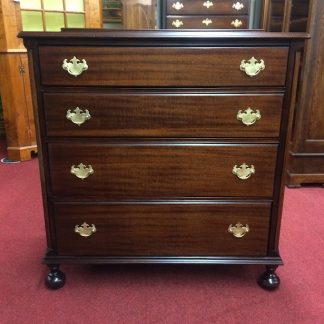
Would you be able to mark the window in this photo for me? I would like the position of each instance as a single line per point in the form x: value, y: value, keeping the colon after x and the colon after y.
x: 52, y: 15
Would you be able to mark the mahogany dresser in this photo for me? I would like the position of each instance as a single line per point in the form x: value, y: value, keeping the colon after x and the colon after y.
x: 163, y: 146
x: 201, y: 14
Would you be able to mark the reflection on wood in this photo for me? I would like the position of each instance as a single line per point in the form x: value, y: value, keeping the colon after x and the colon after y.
x: 139, y: 14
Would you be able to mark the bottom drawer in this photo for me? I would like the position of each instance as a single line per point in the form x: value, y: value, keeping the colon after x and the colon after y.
x: 151, y: 229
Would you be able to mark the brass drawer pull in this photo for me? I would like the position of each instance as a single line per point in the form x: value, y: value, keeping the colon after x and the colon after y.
x: 237, y: 23
x: 252, y: 67
x: 177, y: 6
x: 82, y: 171
x: 238, y: 6
x: 243, y: 172
x: 238, y: 230
x: 85, y: 230
x: 207, y: 21
x: 177, y: 23
x: 75, y: 67
x: 248, y: 117
x: 78, y: 116
x: 208, y: 4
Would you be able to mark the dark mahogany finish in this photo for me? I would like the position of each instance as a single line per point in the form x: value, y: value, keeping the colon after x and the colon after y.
x: 219, y: 7
x: 162, y: 139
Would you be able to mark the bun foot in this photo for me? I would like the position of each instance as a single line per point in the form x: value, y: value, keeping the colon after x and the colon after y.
x: 269, y: 279
x: 55, y: 279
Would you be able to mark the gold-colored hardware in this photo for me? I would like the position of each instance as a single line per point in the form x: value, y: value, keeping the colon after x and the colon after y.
x: 238, y: 230
x: 208, y: 4
x: 238, y: 6
x: 237, y: 23
x: 177, y: 23
x: 85, y: 230
x: 243, y: 172
x: 252, y: 67
x: 75, y: 67
x: 177, y: 6
x: 78, y: 116
x: 82, y: 171
x: 207, y: 21
x: 21, y: 69
x: 248, y: 117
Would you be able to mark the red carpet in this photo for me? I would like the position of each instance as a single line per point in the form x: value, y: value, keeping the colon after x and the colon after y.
x: 155, y: 294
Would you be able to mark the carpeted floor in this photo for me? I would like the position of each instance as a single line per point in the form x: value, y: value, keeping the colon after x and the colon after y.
x: 155, y: 294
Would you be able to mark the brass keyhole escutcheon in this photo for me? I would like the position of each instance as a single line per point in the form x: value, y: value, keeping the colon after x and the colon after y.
x: 238, y: 230
x: 244, y: 171
x: 248, y: 117
x: 85, y: 230
x: 82, y: 171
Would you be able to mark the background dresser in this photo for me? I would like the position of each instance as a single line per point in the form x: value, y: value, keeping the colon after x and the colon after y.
x: 163, y: 147
x: 201, y: 14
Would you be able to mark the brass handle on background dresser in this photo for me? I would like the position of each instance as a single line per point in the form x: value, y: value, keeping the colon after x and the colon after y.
x: 177, y: 6
x: 248, y: 117
x: 207, y: 21
x: 78, y: 116
x: 75, y: 67
x: 208, y: 4
x: 177, y: 23
x: 237, y: 23
x: 82, y: 171
x: 238, y: 230
x: 243, y: 172
x: 252, y: 67
x: 85, y: 230
x: 238, y: 6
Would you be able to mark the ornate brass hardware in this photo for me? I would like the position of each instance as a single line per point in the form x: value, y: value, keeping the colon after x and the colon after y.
x: 85, y: 230
x: 82, y: 171
x: 177, y: 23
x: 252, y: 67
x: 243, y: 172
x: 207, y: 21
x: 248, y: 117
x: 238, y: 230
x: 78, y: 116
x: 177, y: 6
x: 75, y: 67
x: 238, y: 6
x: 208, y: 4
x: 237, y: 23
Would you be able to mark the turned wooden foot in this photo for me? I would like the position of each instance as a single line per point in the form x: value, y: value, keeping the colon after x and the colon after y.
x: 269, y: 279
x: 55, y: 279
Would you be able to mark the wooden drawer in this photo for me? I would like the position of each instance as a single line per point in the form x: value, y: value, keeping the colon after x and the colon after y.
x: 161, y: 115
x: 166, y: 66
x: 207, y: 22
x: 203, y: 7
x: 162, y: 230
x: 132, y: 170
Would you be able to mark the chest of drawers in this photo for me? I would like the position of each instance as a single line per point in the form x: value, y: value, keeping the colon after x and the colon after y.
x: 161, y: 146
x: 201, y: 14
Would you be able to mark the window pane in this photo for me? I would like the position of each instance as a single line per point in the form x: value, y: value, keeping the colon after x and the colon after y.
x: 32, y: 20
x: 54, y: 21
x: 74, y: 5
x: 75, y: 20
x: 30, y: 4
x: 53, y: 4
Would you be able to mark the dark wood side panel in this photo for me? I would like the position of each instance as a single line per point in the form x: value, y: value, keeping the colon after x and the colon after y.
x: 162, y: 230
x: 162, y: 114
x: 219, y: 7
x: 161, y: 171
x: 214, y: 22
x: 153, y: 66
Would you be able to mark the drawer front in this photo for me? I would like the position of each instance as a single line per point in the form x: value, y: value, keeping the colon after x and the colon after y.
x: 203, y: 7
x: 162, y: 230
x: 162, y: 115
x: 207, y: 22
x: 163, y: 66
x: 130, y: 170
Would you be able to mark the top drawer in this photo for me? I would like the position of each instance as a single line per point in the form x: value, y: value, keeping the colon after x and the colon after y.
x: 166, y: 67
x: 220, y: 7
